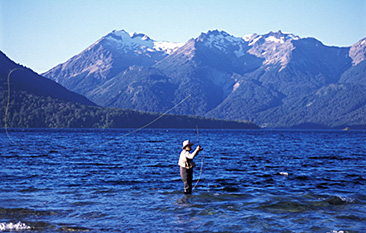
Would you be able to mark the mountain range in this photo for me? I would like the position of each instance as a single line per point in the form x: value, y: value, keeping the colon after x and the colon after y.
x: 29, y: 100
x: 275, y: 80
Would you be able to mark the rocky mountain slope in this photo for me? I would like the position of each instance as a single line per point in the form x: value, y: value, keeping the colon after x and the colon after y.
x: 276, y: 80
x: 106, y: 58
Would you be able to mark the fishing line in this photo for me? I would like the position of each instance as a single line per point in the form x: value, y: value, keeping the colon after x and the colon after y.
x: 199, y: 178
x: 198, y: 141
x: 98, y: 145
x: 124, y: 135
x: 148, y: 124
x: 195, y: 121
x: 7, y: 106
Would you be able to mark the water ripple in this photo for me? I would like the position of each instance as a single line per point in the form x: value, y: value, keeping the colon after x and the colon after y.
x: 252, y: 181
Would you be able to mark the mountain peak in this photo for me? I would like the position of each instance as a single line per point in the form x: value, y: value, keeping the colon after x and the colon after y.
x: 124, y: 40
x: 217, y: 33
x: 278, y: 37
x: 210, y: 35
x: 136, y: 42
x: 223, y: 41
x: 274, y: 47
x: 142, y: 36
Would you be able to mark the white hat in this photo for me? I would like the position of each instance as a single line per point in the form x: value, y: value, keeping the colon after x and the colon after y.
x: 186, y: 143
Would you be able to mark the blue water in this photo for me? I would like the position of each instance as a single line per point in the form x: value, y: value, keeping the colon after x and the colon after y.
x: 251, y: 181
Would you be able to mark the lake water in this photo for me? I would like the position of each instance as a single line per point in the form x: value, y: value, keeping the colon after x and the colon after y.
x: 251, y: 181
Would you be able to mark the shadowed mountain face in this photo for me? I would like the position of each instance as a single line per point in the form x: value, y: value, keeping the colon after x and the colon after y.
x: 272, y: 79
x: 24, y: 79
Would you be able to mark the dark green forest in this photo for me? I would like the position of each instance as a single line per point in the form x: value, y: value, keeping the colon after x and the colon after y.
x: 32, y: 111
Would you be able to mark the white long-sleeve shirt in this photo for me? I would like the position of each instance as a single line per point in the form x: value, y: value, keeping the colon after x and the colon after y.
x: 184, y: 155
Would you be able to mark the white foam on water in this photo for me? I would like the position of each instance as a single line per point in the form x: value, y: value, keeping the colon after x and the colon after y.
x: 14, y: 226
x: 347, y: 199
x: 284, y: 173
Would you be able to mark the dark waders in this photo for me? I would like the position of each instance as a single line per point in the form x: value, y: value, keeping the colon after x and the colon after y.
x: 187, y: 176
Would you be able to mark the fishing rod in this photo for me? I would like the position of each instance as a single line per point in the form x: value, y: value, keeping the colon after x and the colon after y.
x: 124, y: 135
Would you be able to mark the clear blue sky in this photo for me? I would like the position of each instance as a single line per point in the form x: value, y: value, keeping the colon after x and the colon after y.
x: 43, y: 33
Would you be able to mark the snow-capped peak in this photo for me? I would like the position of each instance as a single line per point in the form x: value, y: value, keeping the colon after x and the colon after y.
x: 272, y: 37
x: 214, y: 37
x: 138, y: 42
x: 280, y: 37
x: 122, y: 39
x: 223, y: 41
x: 274, y: 47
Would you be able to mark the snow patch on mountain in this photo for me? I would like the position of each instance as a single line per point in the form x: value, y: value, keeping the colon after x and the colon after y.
x: 272, y: 37
x: 168, y: 47
x: 290, y: 36
x: 236, y: 85
x: 275, y: 39
x: 252, y: 39
x: 139, y: 35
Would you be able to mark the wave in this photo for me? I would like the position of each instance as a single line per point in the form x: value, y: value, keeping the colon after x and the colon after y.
x: 338, y: 200
x: 23, y: 212
x: 14, y: 226
x: 40, y: 226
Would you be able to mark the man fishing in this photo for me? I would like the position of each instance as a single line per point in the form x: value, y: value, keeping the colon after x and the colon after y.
x: 186, y: 164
